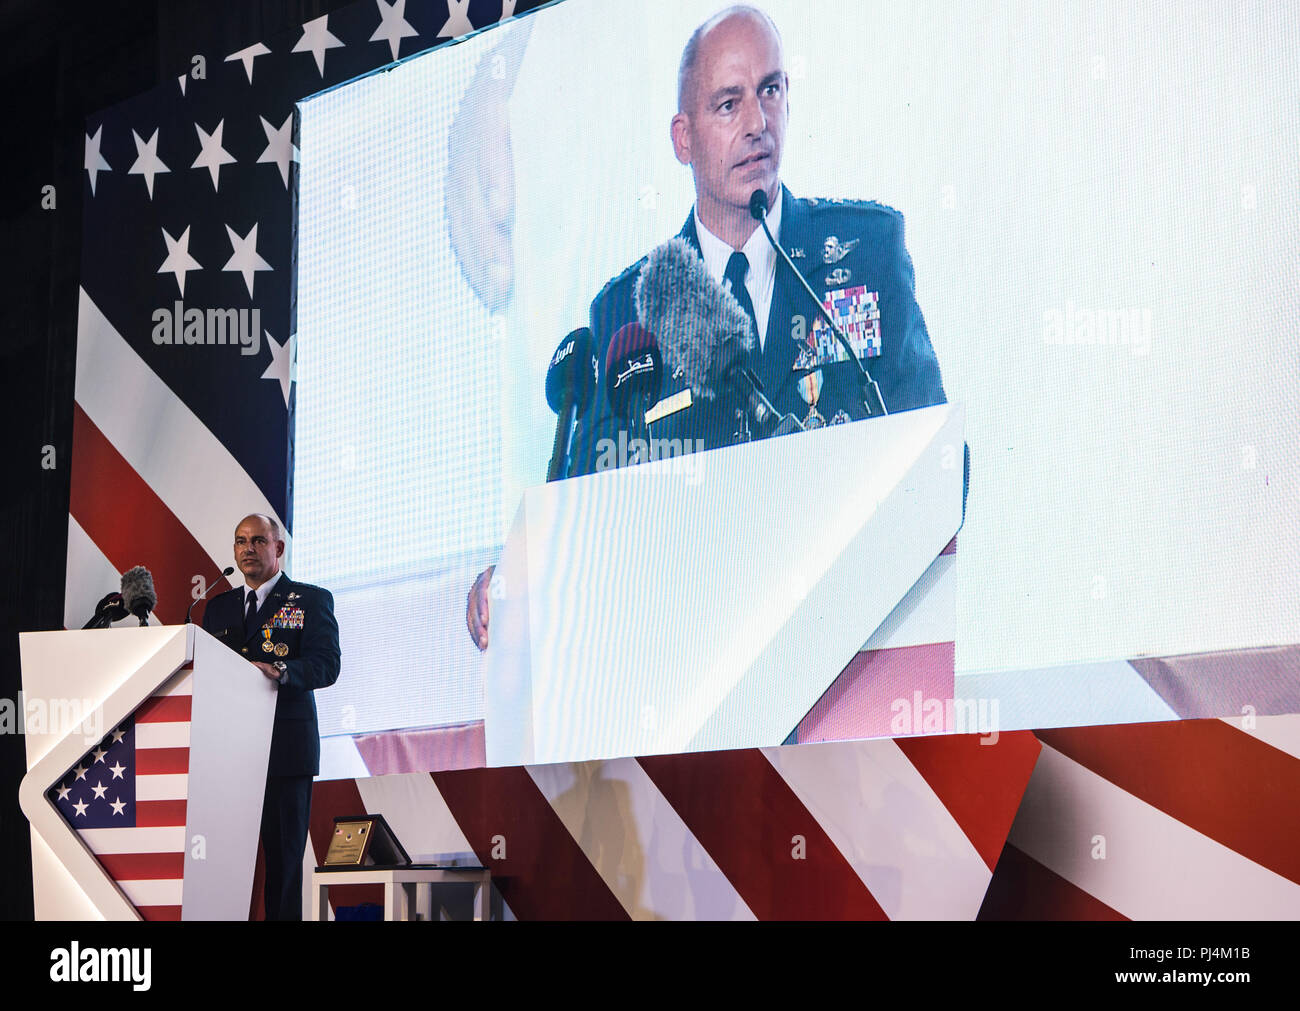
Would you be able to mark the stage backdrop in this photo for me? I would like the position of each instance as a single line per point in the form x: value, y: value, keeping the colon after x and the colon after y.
x: 1084, y: 259
x: 186, y: 342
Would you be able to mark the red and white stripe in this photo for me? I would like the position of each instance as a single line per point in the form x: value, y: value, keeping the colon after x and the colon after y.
x: 147, y: 861
x: 138, y: 450
x: 1184, y: 820
x: 1192, y: 819
x: 857, y: 830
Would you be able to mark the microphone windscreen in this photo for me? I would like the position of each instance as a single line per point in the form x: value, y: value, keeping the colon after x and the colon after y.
x: 758, y: 205
x: 570, y: 373
x: 137, y: 590
x: 700, y: 326
x: 632, y: 367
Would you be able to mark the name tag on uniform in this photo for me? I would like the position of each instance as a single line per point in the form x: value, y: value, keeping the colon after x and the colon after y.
x: 856, y: 311
x: 679, y: 401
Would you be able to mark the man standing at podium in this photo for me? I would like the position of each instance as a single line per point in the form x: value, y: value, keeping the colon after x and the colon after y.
x: 730, y: 129
x: 288, y: 632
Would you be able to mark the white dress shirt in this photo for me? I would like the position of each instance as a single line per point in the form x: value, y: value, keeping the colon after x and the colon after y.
x: 761, y: 279
x: 262, y: 591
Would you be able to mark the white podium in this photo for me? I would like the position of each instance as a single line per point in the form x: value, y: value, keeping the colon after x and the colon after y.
x: 186, y: 724
x: 707, y: 601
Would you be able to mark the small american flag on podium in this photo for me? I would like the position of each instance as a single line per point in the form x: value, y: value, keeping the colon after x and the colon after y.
x: 126, y: 800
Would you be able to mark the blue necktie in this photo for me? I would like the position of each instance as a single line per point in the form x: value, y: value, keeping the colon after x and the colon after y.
x: 250, y: 615
x: 737, y: 268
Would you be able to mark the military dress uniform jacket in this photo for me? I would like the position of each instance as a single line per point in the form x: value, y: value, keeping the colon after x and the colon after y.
x: 840, y: 247
x: 297, y: 619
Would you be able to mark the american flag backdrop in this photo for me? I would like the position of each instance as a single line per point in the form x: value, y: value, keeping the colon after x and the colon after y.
x: 190, y: 200
x: 190, y: 197
x: 1177, y: 820
x: 191, y: 211
x: 126, y: 800
x: 861, y: 830
x: 190, y: 221
x: 1174, y: 820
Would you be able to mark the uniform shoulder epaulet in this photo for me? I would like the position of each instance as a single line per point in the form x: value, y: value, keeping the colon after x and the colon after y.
x: 628, y: 274
x: 841, y: 204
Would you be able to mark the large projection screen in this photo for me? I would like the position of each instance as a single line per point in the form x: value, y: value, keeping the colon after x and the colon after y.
x: 1101, y: 207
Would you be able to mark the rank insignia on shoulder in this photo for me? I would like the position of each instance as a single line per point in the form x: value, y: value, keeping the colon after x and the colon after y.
x: 833, y: 250
x: 840, y: 275
x: 855, y: 311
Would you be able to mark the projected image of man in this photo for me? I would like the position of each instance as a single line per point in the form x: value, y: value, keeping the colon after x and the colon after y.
x: 730, y: 130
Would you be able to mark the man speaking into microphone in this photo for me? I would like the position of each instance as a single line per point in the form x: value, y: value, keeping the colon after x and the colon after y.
x: 732, y: 111
x: 730, y: 128
x: 287, y: 630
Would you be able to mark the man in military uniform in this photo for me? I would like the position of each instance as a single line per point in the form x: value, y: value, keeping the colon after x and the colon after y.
x: 730, y: 128
x: 288, y: 632
x: 733, y: 106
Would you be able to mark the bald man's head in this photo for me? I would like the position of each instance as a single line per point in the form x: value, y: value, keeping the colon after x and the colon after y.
x: 259, y: 547
x: 687, y: 71
x: 730, y: 127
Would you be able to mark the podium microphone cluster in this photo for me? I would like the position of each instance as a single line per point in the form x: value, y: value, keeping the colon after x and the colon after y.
x: 705, y: 336
x: 570, y: 384
x: 871, y: 398
x: 136, y: 597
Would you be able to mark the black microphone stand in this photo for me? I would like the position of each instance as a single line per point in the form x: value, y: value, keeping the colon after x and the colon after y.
x: 563, y: 435
x: 872, y: 401
x: 189, y: 613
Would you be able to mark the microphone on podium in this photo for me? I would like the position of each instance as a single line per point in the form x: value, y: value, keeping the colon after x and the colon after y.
x: 190, y: 610
x: 633, y: 375
x: 871, y: 398
x: 138, y: 594
x: 109, y: 609
x: 570, y: 383
x: 703, y: 332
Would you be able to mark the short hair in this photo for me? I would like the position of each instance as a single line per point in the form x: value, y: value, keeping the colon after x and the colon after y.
x: 268, y: 520
x: 691, y: 54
